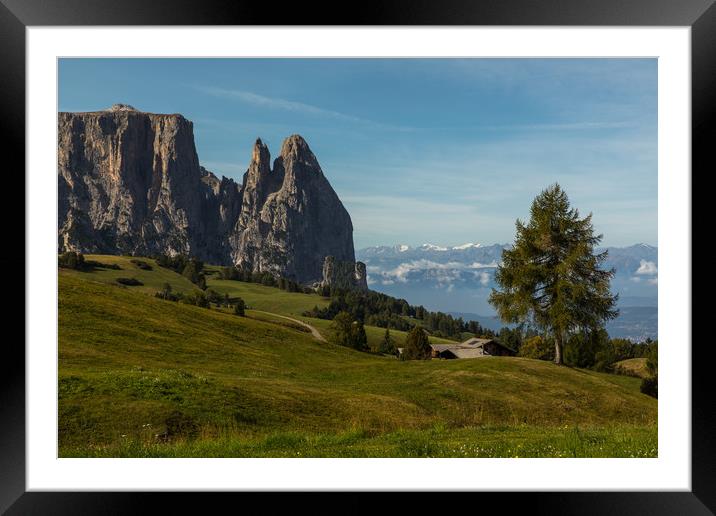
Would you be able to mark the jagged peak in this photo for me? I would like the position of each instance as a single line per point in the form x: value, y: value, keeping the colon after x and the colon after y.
x: 260, y: 154
x: 296, y: 145
x: 295, y: 149
x: 296, y: 138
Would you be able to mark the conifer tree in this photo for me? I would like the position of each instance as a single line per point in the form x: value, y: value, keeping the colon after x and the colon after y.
x: 240, y: 307
x: 417, y: 345
x: 386, y: 345
x: 551, y: 277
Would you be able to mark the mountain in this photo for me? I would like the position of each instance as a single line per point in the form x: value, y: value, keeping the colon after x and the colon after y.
x: 131, y: 182
x: 458, y: 279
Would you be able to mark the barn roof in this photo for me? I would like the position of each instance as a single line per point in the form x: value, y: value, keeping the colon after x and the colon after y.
x: 443, y: 347
x: 470, y: 348
x: 473, y: 343
x: 461, y: 352
x: 477, y: 342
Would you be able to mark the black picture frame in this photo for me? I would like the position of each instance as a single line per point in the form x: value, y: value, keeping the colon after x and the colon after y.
x: 16, y: 15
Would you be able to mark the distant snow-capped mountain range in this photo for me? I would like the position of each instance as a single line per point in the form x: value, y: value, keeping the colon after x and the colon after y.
x: 459, y: 279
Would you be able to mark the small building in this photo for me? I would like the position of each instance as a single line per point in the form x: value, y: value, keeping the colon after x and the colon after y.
x: 471, y: 348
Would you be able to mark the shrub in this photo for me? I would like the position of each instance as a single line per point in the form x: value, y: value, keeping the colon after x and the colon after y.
x: 166, y: 293
x: 239, y: 307
x: 141, y: 264
x: 652, y: 359
x: 181, y: 425
x: 417, y: 345
x: 538, y: 348
x: 196, y: 298
x: 387, y: 345
x: 192, y: 272
x: 175, y: 263
x: 131, y: 282
x: 214, y: 297
x: 581, y: 349
x: 230, y: 273
x: 650, y: 386
x: 359, y: 339
x: 348, y: 332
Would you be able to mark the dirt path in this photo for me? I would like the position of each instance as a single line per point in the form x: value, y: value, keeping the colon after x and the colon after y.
x: 314, y: 331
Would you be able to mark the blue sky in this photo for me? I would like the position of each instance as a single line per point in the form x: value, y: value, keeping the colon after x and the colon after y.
x: 445, y: 151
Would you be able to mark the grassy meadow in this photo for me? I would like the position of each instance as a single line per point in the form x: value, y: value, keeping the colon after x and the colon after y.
x: 144, y: 377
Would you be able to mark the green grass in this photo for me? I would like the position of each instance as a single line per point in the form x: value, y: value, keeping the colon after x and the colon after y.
x: 258, y: 297
x: 276, y: 319
x: 249, y: 385
x: 270, y: 299
x: 438, y: 441
x: 152, y: 280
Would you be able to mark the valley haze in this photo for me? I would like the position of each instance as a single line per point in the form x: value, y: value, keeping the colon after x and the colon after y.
x: 458, y: 279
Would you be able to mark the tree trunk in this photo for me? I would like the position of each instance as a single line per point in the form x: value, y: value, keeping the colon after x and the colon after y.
x: 558, y: 348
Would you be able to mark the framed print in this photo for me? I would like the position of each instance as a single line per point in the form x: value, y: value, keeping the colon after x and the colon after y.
x: 418, y: 250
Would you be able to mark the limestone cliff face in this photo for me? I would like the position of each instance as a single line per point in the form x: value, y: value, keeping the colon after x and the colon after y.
x: 130, y: 182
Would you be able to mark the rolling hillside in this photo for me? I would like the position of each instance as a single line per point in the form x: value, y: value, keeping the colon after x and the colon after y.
x: 140, y: 376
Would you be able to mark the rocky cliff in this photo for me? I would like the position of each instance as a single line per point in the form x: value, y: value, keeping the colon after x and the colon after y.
x: 130, y: 182
x: 345, y: 275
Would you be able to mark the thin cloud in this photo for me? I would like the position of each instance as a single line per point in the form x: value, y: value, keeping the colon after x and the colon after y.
x: 293, y: 106
x: 567, y: 126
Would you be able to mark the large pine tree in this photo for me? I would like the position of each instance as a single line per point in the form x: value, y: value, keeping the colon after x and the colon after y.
x: 417, y: 345
x: 551, y: 277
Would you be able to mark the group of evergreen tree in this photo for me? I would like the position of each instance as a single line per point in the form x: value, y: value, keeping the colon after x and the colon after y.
x: 587, y: 349
x: 378, y: 309
x: 189, y: 267
x: 417, y: 345
x: 141, y: 264
x: 239, y: 307
x: 78, y: 262
x: 349, y: 332
x: 386, y: 345
x: 650, y: 384
x: 194, y: 297
x: 203, y: 299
